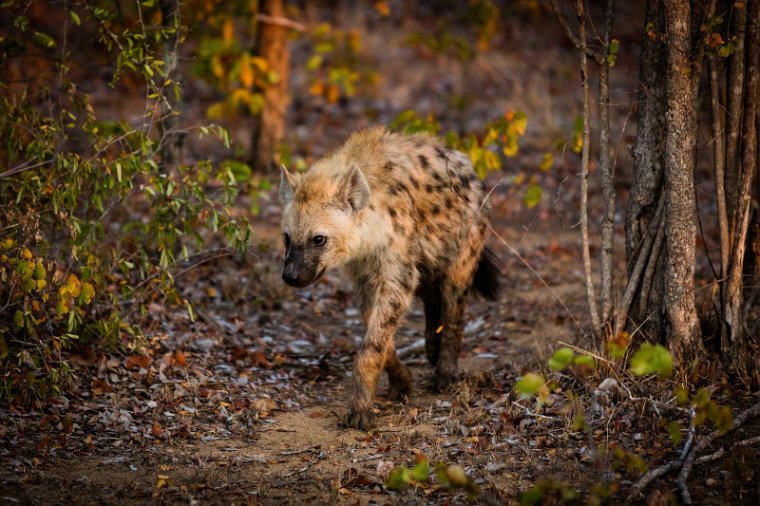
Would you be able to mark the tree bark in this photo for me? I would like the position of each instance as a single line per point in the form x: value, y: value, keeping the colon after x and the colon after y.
x: 648, y: 170
x: 269, y: 126
x: 606, y: 172
x: 680, y: 207
x: 734, y: 104
x: 171, y: 139
x: 733, y: 344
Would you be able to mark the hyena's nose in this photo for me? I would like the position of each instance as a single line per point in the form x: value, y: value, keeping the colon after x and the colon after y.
x: 290, y: 278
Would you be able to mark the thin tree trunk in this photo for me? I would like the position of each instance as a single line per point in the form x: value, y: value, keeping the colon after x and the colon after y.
x: 605, y: 169
x: 733, y: 346
x: 680, y: 208
x: 269, y: 126
x: 734, y: 104
x: 586, y: 250
x: 719, y: 169
x: 648, y: 169
x: 171, y: 139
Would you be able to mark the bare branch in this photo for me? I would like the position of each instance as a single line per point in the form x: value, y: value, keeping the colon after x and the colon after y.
x: 598, y: 58
x: 605, y: 170
x: 590, y: 291
x: 706, y: 442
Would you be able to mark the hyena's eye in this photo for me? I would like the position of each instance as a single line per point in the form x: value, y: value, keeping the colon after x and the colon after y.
x: 286, y: 238
x: 319, y: 240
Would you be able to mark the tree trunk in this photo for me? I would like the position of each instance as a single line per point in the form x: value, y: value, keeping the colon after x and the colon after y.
x: 733, y: 344
x: 648, y: 167
x: 171, y: 139
x: 680, y: 205
x: 734, y: 92
x: 269, y: 126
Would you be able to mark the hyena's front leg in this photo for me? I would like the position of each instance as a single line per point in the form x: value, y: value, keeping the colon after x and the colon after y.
x: 391, y: 303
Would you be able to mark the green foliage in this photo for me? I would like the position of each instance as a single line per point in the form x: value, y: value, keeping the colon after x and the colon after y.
x: 480, y: 20
x: 486, y: 150
x: 549, y: 492
x: 650, y: 359
x: 336, y: 64
x: 91, y: 228
x: 530, y: 384
x: 448, y: 476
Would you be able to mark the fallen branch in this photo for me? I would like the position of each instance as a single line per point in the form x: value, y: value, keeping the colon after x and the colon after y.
x: 691, y: 455
x: 704, y: 443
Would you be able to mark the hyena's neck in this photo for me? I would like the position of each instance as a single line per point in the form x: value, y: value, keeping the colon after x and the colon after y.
x: 371, y: 235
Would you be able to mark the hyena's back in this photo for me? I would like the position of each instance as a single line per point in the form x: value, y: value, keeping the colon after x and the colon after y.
x: 430, y: 194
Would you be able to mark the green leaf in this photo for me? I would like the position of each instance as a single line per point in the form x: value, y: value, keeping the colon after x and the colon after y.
x: 561, y: 359
x: 398, y: 478
x: 650, y: 359
x: 421, y: 471
x: 547, y: 162
x: 674, y: 430
x: 3, y: 348
x: 585, y: 360
x: 44, y: 40
x: 532, y: 196
x: 529, y: 385
x: 75, y: 18
x: 241, y: 171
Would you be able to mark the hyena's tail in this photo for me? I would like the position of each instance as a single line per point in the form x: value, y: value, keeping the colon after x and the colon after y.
x: 487, y: 276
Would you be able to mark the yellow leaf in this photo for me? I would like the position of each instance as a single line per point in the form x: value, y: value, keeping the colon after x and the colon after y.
x: 25, y: 253
x: 7, y: 243
x: 246, y: 71
x: 510, y: 148
x: 383, y: 8
x: 215, y: 111
x: 217, y: 67
x: 228, y: 31
x: 333, y: 93
x: 261, y: 64
x: 547, y: 161
x: 317, y: 88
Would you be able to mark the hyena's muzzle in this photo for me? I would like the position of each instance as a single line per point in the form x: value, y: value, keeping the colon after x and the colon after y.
x: 302, y: 266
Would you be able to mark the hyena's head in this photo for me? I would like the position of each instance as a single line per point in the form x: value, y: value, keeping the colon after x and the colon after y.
x: 319, y: 216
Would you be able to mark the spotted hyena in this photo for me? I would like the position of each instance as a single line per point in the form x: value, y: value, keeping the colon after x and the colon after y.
x: 402, y: 215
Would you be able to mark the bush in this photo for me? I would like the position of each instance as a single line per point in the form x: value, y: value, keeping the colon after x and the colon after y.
x: 90, y: 227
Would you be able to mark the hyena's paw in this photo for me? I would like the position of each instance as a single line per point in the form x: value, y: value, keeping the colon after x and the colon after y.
x: 398, y: 391
x: 442, y: 381
x: 362, y: 420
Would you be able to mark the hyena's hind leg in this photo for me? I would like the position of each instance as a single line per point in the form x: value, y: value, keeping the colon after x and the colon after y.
x: 432, y: 299
x: 449, y: 338
x: 454, y: 289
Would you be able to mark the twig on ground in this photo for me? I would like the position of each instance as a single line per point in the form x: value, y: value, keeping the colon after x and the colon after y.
x: 704, y: 443
x: 691, y: 455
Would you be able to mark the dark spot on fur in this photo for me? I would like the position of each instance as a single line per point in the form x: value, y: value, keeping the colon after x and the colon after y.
x: 435, y: 210
x: 398, y: 227
x: 421, y: 215
x: 441, y: 153
x: 389, y: 166
x: 437, y: 177
x: 375, y: 347
x: 447, y: 202
x: 392, y: 321
x: 401, y: 187
x: 424, y: 162
x: 392, y: 190
x: 392, y: 212
x: 395, y: 305
x: 429, y: 188
x: 372, y: 207
x: 414, y: 182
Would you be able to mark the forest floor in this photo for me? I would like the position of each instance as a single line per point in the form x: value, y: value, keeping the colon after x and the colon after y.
x: 243, y: 403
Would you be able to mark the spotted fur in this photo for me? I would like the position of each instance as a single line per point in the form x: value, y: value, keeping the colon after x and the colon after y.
x: 401, y: 215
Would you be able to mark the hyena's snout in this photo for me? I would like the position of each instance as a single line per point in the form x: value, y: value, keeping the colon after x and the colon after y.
x: 301, y: 269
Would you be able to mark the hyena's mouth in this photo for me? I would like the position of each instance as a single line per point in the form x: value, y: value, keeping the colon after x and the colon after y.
x: 300, y: 282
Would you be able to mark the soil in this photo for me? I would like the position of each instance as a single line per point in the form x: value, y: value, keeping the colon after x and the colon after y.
x: 243, y: 402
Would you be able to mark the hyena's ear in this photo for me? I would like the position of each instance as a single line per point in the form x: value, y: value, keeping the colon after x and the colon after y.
x: 286, y: 187
x: 354, y: 189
